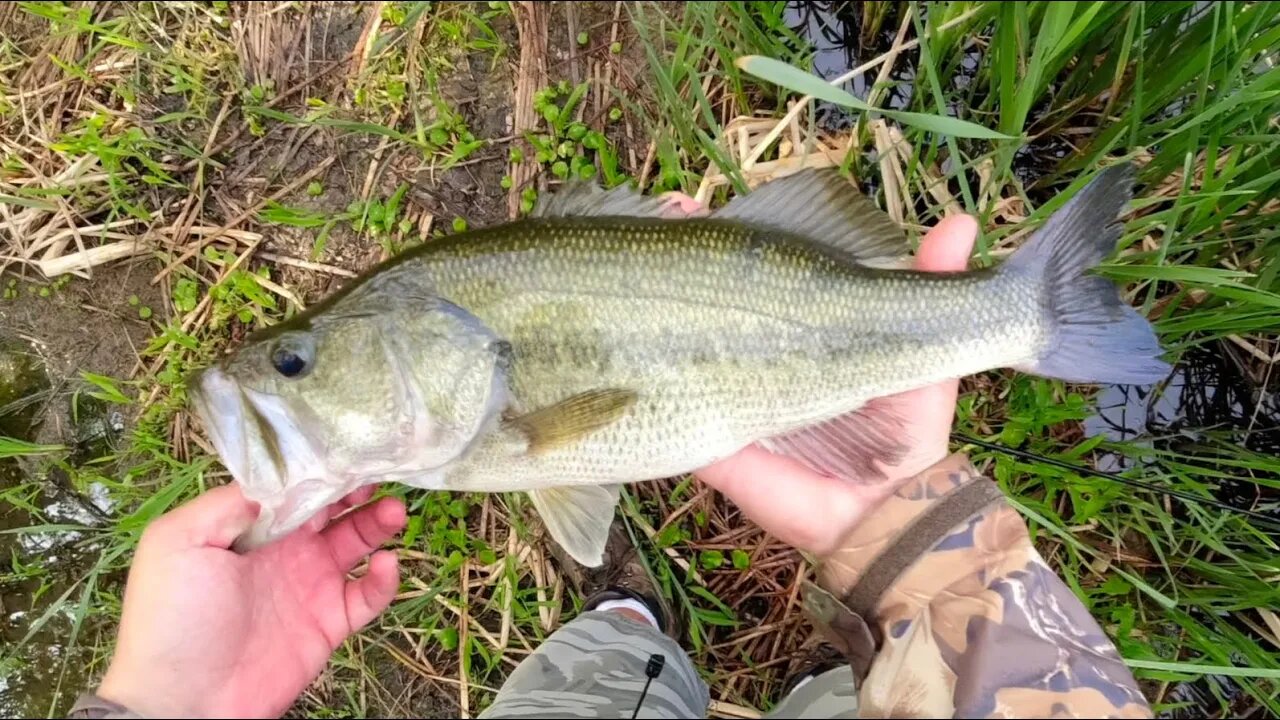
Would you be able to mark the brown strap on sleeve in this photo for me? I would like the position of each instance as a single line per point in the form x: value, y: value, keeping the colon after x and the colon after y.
x: 921, y: 534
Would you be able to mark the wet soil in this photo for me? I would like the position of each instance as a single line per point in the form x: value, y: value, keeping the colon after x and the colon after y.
x: 46, y: 342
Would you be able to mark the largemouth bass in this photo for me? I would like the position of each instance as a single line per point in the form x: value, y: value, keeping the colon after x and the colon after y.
x: 602, y: 341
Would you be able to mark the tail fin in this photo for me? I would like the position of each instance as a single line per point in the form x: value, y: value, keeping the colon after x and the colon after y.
x: 1097, y: 337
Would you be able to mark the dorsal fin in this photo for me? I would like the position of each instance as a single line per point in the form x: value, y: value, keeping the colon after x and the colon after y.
x: 824, y: 207
x: 579, y: 198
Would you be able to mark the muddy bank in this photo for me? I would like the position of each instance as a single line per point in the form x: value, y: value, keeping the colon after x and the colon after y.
x: 51, y: 333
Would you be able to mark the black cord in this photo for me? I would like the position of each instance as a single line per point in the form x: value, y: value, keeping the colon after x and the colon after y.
x: 1260, y: 518
x: 652, y: 669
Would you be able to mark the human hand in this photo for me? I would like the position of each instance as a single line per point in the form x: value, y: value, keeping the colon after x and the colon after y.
x: 813, y: 512
x: 209, y: 632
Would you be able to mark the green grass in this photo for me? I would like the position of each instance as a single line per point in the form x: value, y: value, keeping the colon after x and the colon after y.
x: 1190, y: 94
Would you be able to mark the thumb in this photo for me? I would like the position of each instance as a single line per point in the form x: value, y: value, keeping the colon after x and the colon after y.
x: 215, y: 518
x: 948, y: 245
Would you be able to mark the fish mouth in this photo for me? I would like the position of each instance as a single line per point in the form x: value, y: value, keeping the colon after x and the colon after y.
x: 221, y: 406
x: 266, y: 452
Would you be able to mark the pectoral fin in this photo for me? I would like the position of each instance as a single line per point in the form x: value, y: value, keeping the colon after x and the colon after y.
x: 851, y: 446
x: 573, y: 418
x: 578, y: 518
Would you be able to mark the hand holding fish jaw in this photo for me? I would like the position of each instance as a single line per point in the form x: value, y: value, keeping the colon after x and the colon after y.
x: 816, y: 511
x: 207, y: 632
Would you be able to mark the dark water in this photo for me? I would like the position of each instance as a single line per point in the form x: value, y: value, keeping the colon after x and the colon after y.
x: 835, y: 31
x: 840, y: 43
x: 40, y: 672
x: 1211, y: 399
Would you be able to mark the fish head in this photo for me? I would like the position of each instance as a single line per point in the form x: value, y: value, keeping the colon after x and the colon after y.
x: 361, y: 393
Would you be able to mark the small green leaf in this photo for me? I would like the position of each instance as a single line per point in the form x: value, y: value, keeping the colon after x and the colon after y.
x: 185, y: 295
x: 944, y: 125
x: 107, y: 389
x: 797, y: 80
x: 615, y: 47
x: 448, y: 638
x: 412, y: 530
x: 454, y: 561
x: 13, y: 447
x: 459, y: 224
x: 583, y: 38
x: 741, y: 559
x: 710, y: 559
x: 669, y: 536
x: 315, y: 188
x: 1115, y: 585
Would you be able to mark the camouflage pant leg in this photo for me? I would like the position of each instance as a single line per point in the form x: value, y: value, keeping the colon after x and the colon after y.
x: 594, y: 667
x: 829, y: 695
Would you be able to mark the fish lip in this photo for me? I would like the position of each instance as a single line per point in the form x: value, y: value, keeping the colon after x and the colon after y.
x: 301, y: 483
x: 234, y: 428
x: 218, y: 402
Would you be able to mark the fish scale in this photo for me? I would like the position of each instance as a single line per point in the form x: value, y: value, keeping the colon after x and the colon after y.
x: 730, y: 334
x: 603, y: 341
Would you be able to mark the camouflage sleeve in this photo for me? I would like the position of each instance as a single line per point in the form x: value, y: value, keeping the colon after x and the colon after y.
x: 976, y: 626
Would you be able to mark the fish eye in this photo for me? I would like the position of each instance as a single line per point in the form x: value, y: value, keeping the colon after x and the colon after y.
x: 291, y: 358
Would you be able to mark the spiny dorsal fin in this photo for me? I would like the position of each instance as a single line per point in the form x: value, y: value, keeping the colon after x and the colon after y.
x: 578, y: 518
x: 825, y: 208
x: 586, y: 199
x: 573, y: 418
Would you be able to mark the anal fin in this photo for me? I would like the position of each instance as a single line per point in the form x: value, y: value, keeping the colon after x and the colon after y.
x: 578, y: 518
x: 854, y: 446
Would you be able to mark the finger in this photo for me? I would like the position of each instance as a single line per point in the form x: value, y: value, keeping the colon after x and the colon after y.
x: 333, y: 510
x: 931, y: 410
x: 684, y: 203
x: 948, y: 245
x: 945, y: 248
x: 752, y: 478
x: 215, y: 518
x: 356, y: 497
x: 368, y: 596
x: 363, y: 531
